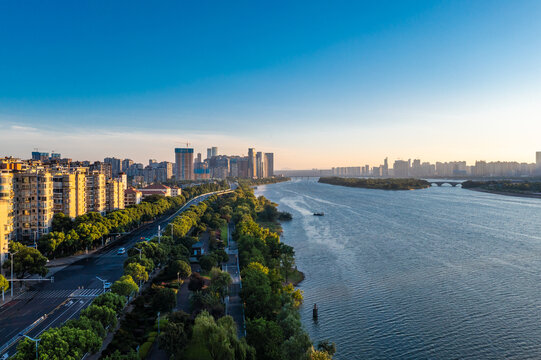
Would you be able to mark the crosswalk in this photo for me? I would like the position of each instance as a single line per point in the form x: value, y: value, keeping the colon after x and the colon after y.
x: 64, y: 293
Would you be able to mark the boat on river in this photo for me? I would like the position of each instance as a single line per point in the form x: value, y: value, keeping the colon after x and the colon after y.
x: 319, y: 214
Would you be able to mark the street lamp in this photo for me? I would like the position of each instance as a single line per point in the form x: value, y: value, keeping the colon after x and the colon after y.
x: 159, y: 235
x: 103, y: 282
x: 178, y: 278
x: 12, y: 271
x: 140, y: 251
x: 34, y: 340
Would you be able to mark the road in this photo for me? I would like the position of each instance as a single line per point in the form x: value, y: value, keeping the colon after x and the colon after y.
x: 51, y: 304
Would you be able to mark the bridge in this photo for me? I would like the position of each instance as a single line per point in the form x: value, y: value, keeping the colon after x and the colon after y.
x: 440, y: 183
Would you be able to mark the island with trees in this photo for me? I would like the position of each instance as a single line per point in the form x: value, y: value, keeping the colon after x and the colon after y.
x: 381, y: 184
x: 506, y: 187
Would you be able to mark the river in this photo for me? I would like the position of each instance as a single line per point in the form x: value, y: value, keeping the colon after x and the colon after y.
x: 438, y: 273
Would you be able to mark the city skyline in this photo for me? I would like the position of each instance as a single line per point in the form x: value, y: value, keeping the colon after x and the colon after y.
x: 320, y: 85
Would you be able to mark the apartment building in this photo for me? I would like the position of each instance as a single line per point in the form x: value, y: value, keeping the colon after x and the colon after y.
x: 7, y: 214
x: 69, y: 193
x: 132, y: 196
x: 96, y: 192
x: 34, y: 203
x: 115, y: 195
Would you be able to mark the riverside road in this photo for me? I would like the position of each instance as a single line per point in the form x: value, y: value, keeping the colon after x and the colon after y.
x: 49, y: 304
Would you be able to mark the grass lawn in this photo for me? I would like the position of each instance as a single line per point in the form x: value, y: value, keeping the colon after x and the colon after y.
x: 223, y: 233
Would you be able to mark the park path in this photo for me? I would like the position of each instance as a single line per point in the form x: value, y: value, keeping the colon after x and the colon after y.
x: 233, y: 304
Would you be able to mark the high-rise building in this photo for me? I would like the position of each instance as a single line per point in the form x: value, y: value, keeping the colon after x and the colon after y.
x: 251, y: 163
x: 69, y: 193
x: 103, y: 167
x: 7, y: 213
x: 260, y: 165
x: 269, y: 164
x: 96, y: 192
x: 538, y: 162
x: 116, y: 165
x: 115, y: 195
x: 384, y: 170
x: 219, y: 167
x: 41, y: 156
x: 209, y: 153
x: 126, y: 163
x: 184, y: 163
x: 214, y: 151
x: 33, y: 203
x: 199, y: 158
x: 401, y: 168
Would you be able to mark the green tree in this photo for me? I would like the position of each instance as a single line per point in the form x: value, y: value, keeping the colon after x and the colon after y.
x: 320, y: 355
x: 287, y: 259
x: 62, y: 223
x: 266, y: 337
x: 111, y: 300
x: 180, y: 267
x: 327, y: 346
x: 176, y: 333
x: 220, y: 281
x: 136, y: 271
x: 106, y: 316
x: 26, y: 261
x: 60, y: 343
x: 4, y: 284
x: 124, y: 286
x: 207, y: 262
x: 85, y: 323
x: 164, y: 300
x: 220, y: 338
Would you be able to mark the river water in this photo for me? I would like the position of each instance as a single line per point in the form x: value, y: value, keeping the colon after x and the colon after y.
x: 440, y: 273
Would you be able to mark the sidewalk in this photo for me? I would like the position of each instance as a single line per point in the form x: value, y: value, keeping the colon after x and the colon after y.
x: 234, y: 304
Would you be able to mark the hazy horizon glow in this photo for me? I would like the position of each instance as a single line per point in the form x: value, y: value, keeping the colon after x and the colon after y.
x: 320, y: 84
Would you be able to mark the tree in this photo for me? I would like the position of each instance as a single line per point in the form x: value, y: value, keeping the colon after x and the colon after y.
x: 111, y: 300
x: 327, y: 346
x: 27, y: 260
x: 124, y: 286
x: 176, y: 333
x: 207, y: 262
x: 320, y: 355
x: 219, y: 338
x: 266, y: 337
x: 296, y: 346
x: 4, y: 284
x: 62, y: 223
x: 106, y: 316
x: 136, y: 271
x: 85, y: 323
x: 287, y: 259
x: 220, y: 281
x: 49, y: 243
x: 60, y: 343
x: 180, y: 267
x: 196, y: 282
x: 164, y: 300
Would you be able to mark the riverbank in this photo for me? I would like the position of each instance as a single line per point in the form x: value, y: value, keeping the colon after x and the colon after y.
x: 379, y: 184
x: 523, y: 195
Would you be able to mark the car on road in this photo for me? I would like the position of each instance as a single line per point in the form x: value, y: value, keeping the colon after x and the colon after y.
x: 121, y: 251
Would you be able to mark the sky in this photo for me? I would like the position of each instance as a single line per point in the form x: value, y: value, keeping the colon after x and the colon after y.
x: 319, y: 83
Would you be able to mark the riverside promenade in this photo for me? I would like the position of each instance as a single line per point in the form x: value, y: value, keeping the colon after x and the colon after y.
x: 233, y: 304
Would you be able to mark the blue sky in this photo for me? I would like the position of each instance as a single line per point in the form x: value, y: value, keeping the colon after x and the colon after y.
x: 319, y: 83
